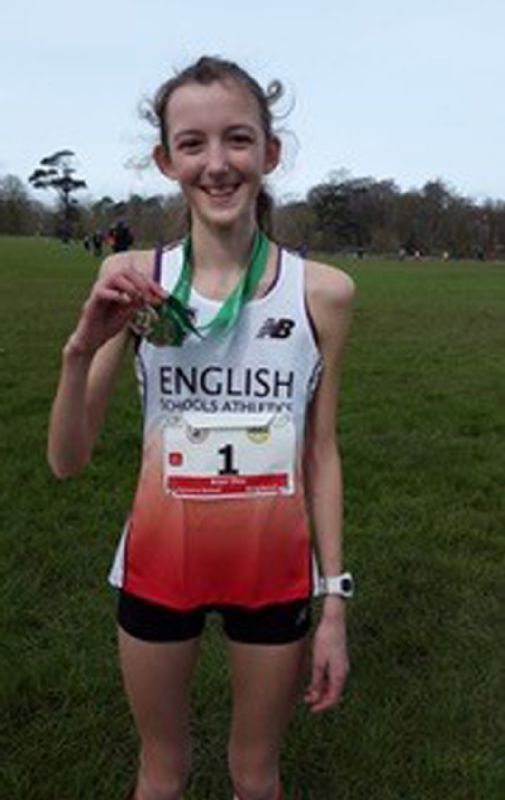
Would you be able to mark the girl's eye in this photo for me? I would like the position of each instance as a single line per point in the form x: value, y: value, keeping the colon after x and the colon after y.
x: 241, y: 139
x: 189, y: 145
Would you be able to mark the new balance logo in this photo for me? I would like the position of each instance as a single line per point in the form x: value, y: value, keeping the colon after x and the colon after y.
x: 276, y: 328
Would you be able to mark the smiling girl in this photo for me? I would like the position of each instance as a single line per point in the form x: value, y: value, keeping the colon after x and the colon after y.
x: 238, y: 354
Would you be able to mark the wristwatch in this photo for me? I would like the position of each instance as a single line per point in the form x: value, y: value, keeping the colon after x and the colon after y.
x: 341, y: 585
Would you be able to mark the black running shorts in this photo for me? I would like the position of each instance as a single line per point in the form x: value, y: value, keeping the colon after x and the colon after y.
x: 273, y: 624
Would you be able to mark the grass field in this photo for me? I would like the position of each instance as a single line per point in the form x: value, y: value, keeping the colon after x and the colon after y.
x: 422, y: 426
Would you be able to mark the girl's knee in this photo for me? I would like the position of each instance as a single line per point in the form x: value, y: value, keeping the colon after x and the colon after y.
x: 255, y: 777
x: 162, y: 781
x: 255, y: 787
x: 159, y: 789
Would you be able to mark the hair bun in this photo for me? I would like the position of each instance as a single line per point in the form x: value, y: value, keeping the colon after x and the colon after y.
x: 274, y: 92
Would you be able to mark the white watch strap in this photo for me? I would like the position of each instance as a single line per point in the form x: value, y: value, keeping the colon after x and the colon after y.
x: 340, y: 585
x: 331, y: 584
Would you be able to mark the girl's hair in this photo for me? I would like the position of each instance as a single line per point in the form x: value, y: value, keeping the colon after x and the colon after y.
x: 205, y: 71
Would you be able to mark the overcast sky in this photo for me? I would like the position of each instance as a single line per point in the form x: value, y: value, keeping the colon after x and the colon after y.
x: 405, y: 89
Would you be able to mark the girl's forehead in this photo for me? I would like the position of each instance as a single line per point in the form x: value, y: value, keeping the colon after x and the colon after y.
x: 198, y: 105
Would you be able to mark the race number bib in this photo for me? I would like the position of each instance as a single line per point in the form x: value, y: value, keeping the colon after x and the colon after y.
x: 217, y: 456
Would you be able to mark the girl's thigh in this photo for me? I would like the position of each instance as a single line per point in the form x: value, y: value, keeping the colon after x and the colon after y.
x: 266, y: 683
x: 157, y: 678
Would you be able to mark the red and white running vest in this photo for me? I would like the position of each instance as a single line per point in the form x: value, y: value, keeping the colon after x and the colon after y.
x: 219, y: 515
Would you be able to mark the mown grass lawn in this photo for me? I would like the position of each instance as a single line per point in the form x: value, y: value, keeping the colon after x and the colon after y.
x: 421, y: 431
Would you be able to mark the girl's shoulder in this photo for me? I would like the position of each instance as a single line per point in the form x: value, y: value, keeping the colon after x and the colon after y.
x: 328, y: 286
x: 329, y: 293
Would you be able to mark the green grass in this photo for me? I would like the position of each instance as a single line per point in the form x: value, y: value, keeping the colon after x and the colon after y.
x: 422, y: 427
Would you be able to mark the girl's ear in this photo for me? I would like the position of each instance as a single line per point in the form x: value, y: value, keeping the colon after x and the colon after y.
x: 272, y: 155
x: 163, y: 161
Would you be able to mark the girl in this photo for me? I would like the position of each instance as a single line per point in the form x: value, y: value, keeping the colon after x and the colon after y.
x: 238, y: 351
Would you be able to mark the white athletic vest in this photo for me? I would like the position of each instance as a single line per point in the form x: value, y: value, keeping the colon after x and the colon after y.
x: 219, y: 515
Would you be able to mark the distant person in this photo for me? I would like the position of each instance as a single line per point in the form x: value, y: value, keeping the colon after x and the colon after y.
x: 97, y: 243
x: 87, y: 243
x: 121, y: 237
x: 65, y: 232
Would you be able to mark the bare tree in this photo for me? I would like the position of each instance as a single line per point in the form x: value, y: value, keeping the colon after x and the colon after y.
x: 16, y: 212
x: 56, y: 172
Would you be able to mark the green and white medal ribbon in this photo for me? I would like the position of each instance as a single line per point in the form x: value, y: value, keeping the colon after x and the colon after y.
x: 171, y: 322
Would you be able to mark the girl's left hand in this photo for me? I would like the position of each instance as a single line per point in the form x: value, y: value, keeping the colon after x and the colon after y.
x: 330, y: 665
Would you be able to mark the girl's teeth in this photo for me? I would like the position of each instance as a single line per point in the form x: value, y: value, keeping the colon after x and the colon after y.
x: 221, y: 192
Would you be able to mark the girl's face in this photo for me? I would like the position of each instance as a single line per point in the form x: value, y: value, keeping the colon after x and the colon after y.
x: 217, y: 151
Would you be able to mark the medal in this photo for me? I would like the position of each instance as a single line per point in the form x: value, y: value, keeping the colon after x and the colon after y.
x: 162, y: 332
x: 170, y: 322
x: 161, y: 325
x: 143, y: 321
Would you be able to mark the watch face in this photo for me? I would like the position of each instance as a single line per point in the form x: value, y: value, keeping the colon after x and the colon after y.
x: 341, y: 585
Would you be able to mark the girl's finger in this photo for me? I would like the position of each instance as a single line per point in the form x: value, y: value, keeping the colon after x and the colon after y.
x: 156, y: 288
x: 147, y: 283
x: 316, y: 684
x: 123, y: 284
x: 144, y: 283
x: 115, y: 296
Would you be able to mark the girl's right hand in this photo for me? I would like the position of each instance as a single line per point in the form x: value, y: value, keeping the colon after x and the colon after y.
x: 120, y: 291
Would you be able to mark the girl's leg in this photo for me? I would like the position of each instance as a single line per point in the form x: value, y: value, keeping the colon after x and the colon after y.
x: 265, y: 682
x: 157, y: 679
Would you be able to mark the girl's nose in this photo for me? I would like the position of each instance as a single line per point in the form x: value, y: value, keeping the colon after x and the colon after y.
x: 217, y: 161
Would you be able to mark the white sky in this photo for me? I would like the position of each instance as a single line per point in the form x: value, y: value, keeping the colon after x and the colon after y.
x: 405, y: 89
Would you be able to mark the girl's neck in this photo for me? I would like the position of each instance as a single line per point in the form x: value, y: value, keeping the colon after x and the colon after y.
x: 226, y: 251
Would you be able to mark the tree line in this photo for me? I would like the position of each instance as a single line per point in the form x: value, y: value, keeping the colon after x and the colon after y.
x: 344, y: 213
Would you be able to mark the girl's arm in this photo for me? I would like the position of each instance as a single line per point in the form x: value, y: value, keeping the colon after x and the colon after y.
x: 91, y: 359
x: 330, y: 296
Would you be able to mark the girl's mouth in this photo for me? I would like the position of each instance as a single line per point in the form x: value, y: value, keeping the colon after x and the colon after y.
x: 221, y: 191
